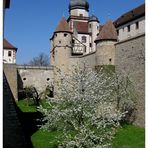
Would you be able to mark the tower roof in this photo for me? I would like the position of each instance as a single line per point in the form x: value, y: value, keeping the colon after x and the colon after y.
x: 63, y: 26
x: 108, y: 32
x: 93, y: 18
x: 78, y: 4
x: 7, y: 45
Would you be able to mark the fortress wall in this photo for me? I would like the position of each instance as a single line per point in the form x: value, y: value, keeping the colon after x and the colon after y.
x: 130, y: 59
x: 89, y: 60
x: 39, y: 77
x: 11, y: 76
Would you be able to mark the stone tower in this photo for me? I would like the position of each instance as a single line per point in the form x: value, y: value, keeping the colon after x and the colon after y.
x: 60, y: 51
x: 61, y: 45
x: 105, y: 44
x: 94, y: 31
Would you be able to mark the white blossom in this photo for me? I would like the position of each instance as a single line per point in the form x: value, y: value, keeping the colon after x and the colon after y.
x: 87, y: 109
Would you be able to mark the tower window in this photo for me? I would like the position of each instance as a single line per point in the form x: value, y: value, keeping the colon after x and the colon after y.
x: 48, y: 79
x: 85, y: 49
x: 137, y: 25
x: 89, y: 25
x: 73, y: 41
x: 83, y: 39
x: 24, y: 79
x: 117, y: 32
x: 81, y: 14
x: 59, y: 42
x: 9, y: 53
x: 128, y: 28
x: 90, y: 45
x: 65, y: 34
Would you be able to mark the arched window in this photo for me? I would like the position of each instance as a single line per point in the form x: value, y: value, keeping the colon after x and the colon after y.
x: 83, y: 39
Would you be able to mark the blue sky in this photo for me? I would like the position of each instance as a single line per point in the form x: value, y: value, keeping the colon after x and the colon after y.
x: 29, y: 24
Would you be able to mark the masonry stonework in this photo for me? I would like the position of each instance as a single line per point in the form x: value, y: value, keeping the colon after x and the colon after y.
x: 11, y: 75
x: 129, y: 60
x: 13, y: 134
x: 39, y: 77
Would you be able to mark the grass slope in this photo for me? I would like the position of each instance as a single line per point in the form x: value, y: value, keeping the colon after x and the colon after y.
x: 129, y: 136
x: 43, y: 139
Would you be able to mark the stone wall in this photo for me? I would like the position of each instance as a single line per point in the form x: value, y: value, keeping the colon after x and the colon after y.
x: 39, y: 77
x: 88, y: 59
x: 11, y: 75
x: 130, y: 60
x: 13, y: 135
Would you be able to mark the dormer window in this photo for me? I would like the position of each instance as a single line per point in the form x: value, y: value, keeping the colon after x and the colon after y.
x: 9, y: 53
x: 83, y: 39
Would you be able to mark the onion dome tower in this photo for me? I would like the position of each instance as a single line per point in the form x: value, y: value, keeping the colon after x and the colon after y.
x: 79, y: 8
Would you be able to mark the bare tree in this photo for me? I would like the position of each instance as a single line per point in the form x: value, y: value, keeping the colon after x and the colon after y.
x: 41, y: 60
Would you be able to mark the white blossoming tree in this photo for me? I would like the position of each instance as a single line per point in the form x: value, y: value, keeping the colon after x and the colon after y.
x: 87, y: 109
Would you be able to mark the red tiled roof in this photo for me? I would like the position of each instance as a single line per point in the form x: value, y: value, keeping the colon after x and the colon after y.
x: 7, y: 45
x: 108, y: 32
x: 63, y: 26
x: 101, y: 26
x: 81, y: 27
x: 131, y: 15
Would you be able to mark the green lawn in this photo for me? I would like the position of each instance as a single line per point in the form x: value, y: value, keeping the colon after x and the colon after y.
x: 129, y: 136
x: 29, y: 106
x: 43, y: 139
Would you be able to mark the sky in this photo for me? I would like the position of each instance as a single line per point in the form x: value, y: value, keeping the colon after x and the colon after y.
x: 29, y: 24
